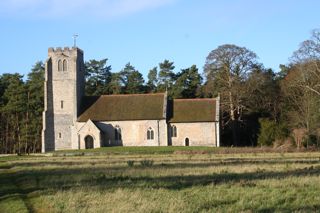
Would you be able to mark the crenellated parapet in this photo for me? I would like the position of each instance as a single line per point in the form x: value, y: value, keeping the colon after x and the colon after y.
x: 64, y: 50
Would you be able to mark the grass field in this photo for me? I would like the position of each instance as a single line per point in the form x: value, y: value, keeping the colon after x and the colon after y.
x: 161, y: 180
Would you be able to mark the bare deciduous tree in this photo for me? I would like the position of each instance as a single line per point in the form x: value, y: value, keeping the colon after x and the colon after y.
x: 228, y: 66
x: 307, y: 59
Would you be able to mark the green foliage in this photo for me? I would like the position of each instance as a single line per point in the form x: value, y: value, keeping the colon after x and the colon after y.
x: 166, y: 76
x: 152, y: 80
x: 262, y: 92
x: 132, y: 80
x: 127, y: 81
x: 187, y: 84
x: 115, y: 85
x: 21, y: 106
x: 270, y: 131
x: 98, y: 77
x: 35, y: 105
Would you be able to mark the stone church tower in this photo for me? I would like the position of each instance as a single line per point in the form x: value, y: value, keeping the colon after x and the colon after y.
x: 64, y: 89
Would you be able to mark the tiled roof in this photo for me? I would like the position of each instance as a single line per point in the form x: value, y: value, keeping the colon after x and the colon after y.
x: 193, y: 110
x: 123, y: 107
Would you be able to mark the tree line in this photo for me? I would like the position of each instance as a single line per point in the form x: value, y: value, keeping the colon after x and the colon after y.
x: 259, y: 106
x: 100, y: 80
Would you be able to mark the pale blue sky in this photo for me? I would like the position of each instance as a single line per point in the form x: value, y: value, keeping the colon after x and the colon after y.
x: 145, y: 32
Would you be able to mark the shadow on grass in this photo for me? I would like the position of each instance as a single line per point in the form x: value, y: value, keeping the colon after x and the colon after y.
x: 45, y: 181
x: 29, y: 181
x: 167, y: 163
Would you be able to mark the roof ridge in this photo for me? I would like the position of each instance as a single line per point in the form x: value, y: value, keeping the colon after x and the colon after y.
x: 143, y: 94
x: 195, y: 99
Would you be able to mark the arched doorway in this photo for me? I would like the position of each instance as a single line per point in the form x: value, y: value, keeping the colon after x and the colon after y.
x: 88, y: 142
x: 186, y: 142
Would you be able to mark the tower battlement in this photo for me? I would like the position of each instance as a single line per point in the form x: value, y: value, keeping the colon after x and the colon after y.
x: 63, y: 49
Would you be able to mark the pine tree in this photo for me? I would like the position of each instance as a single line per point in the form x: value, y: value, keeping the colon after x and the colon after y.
x: 188, y: 83
x: 98, y: 76
x: 152, y: 80
x: 15, y: 110
x: 115, y: 85
x: 166, y: 76
x: 35, y: 106
x: 132, y: 80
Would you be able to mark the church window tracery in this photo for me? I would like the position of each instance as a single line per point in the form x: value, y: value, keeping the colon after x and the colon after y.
x: 173, y: 131
x: 150, y: 134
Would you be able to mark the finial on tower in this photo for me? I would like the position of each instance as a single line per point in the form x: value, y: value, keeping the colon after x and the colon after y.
x: 75, y: 40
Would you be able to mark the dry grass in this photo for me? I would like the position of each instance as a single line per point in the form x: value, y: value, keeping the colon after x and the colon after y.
x: 240, y: 182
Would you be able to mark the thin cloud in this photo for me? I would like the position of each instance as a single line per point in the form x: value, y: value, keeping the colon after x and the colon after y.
x: 69, y: 8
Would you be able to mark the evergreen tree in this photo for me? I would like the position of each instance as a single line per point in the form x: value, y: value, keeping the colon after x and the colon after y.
x: 98, y: 76
x: 166, y: 76
x: 132, y: 80
x: 188, y: 83
x: 115, y: 85
x: 152, y: 80
x: 35, y: 105
x: 5, y: 142
x: 14, y: 110
x: 263, y: 93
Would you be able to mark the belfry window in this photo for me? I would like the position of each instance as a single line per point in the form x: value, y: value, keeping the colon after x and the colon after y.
x: 61, y: 104
x: 59, y: 65
x: 117, y: 133
x: 150, y: 134
x: 173, y: 131
x: 65, y: 65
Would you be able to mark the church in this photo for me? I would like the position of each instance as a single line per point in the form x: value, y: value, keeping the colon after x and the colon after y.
x: 72, y: 120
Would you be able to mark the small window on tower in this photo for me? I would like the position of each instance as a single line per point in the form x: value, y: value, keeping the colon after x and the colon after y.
x: 61, y: 104
x: 65, y: 65
x: 59, y: 134
x: 59, y: 65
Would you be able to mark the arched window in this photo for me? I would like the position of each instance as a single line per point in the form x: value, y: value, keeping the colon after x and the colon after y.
x: 173, y: 131
x: 150, y: 134
x: 65, y: 65
x: 117, y: 133
x: 59, y: 65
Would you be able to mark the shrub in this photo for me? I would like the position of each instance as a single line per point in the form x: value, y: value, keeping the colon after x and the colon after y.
x: 146, y: 163
x: 270, y: 131
x: 130, y: 163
